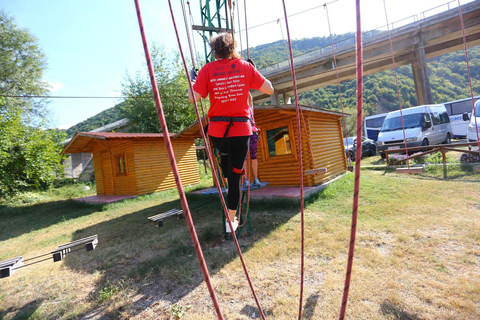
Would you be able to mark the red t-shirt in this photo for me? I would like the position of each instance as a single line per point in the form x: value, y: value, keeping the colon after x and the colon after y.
x: 228, y: 83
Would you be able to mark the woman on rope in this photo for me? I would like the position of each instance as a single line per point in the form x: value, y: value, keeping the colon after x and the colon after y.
x: 227, y: 81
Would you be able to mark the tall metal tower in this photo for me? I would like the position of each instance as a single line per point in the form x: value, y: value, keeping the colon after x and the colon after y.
x: 214, y: 16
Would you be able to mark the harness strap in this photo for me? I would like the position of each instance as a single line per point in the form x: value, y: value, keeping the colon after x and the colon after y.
x: 231, y: 120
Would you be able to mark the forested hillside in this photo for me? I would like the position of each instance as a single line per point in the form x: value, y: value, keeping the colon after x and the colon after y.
x: 448, y: 79
x: 99, y: 120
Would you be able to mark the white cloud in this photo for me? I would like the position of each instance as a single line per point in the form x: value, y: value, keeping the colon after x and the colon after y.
x: 55, y: 86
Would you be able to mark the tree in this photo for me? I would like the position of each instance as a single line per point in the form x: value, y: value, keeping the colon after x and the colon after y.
x: 29, y: 151
x: 172, y: 85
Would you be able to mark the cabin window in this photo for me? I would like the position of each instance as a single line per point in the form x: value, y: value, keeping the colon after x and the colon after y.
x: 278, y: 140
x: 121, y: 164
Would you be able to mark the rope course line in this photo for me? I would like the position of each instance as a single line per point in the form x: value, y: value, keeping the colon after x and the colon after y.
x: 300, y: 160
x: 468, y: 69
x: 356, y: 188
x: 74, y: 97
x: 219, y: 314
x: 396, y: 83
x: 246, y: 27
x: 338, y: 82
x: 192, y: 55
x: 173, y: 164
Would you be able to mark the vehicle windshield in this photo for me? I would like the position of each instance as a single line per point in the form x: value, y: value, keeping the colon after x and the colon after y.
x: 349, y: 140
x: 477, y: 109
x: 409, y: 121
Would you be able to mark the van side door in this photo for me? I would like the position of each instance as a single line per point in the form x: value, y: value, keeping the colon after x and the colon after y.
x: 427, y: 128
x: 438, y: 134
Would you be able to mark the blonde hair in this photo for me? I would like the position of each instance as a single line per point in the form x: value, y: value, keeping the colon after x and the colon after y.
x: 223, y: 46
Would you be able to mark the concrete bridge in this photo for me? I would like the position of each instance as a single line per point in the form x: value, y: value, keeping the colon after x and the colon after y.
x: 412, y: 44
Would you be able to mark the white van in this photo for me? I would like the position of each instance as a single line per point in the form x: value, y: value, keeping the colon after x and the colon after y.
x: 424, y: 125
x: 474, y: 121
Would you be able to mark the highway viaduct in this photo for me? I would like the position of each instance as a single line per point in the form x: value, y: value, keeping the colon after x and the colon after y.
x: 413, y: 44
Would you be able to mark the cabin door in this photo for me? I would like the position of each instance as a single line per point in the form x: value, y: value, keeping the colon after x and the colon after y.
x: 107, y: 174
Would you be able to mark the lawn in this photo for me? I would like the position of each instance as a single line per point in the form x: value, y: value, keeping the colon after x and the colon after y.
x: 417, y: 253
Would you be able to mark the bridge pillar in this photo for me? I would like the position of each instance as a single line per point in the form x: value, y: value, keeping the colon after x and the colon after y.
x: 420, y: 76
x: 286, y: 98
x: 274, y: 98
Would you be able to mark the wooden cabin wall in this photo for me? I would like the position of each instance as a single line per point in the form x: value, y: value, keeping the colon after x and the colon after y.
x: 327, y: 145
x: 124, y: 184
x: 152, y: 165
x: 321, y: 147
x: 97, y: 167
x: 281, y: 170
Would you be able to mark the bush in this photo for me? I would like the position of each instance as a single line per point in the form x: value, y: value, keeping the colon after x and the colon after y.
x: 397, y: 159
x: 469, y: 158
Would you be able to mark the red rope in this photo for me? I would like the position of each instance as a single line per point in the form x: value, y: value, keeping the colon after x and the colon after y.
x: 468, y: 69
x: 299, y: 132
x: 246, y: 28
x: 338, y: 82
x: 212, y: 165
x: 358, y: 155
x: 192, y: 56
x: 183, y: 199
x: 396, y: 83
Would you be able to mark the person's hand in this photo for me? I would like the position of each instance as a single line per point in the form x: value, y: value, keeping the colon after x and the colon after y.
x: 193, y: 74
x: 252, y: 63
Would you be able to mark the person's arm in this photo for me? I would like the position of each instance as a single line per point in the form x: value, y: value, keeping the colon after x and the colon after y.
x: 190, y: 96
x: 267, y: 87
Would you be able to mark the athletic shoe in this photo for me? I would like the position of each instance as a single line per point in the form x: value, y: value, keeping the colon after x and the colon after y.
x: 234, y: 225
x: 256, y: 183
x: 246, y: 183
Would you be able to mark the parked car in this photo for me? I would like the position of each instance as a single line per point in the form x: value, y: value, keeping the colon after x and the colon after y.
x: 368, y: 147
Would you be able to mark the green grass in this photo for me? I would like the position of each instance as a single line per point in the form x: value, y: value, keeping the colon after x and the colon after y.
x: 417, y: 250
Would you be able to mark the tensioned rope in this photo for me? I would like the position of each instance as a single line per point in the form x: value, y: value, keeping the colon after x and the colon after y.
x: 300, y: 160
x: 192, y: 56
x: 358, y: 155
x: 338, y: 82
x: 168, y: 145
x: 396, y: 83
x: 468, y: 69
x: 301, y: 111
x: 246, y: 27
x: 213, y: 171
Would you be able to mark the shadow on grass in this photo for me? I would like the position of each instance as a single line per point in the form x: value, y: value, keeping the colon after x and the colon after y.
x: 388, y: 308
x: 160, y: 263
x: 19, y: 220
x: 25, y: 312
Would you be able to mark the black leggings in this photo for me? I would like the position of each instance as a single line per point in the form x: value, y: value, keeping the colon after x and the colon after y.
x: 233, y: 152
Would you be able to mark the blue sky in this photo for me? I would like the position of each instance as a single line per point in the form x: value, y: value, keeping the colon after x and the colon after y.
x: 90, y: 45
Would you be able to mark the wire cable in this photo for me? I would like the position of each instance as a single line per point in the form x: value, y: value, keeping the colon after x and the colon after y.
x: 468, y: 69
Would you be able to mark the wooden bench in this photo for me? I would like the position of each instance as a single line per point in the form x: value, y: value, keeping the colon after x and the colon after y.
x: 410, y: 170
x: 315, y: 171
x: 7, y: 267
x: 61, y: 252
x: 158, y: 219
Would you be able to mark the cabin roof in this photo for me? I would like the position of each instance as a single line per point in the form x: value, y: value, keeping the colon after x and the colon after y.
x: 193, y: 130
x: 302, y: 107
x: 86, y: 141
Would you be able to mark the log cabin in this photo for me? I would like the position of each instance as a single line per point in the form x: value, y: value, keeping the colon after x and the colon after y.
x: 323, y: 151
x: 136, y: 163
